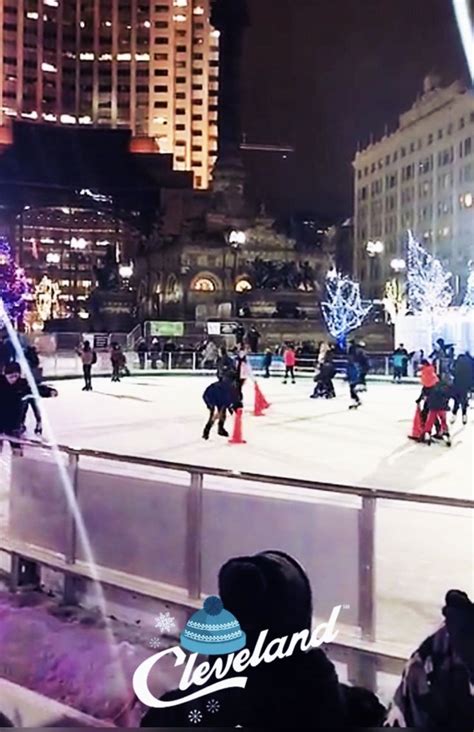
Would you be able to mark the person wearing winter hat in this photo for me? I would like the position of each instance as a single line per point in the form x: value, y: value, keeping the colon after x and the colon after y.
x: 269, y: 591
x: 437, y: 686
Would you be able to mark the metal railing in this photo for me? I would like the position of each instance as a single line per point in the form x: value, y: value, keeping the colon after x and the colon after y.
x: 68, y: 363
x: 214, y: 505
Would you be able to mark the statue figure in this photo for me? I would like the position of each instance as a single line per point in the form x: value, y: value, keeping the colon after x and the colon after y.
x: 107, y: 275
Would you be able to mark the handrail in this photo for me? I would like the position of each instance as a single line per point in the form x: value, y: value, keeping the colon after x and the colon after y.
x: 361, y: 492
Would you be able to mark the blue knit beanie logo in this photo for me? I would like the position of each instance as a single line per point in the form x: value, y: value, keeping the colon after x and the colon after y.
x: 213, y: 631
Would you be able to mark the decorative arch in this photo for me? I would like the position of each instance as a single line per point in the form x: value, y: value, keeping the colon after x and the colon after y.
x: 243, y: 284
x: 205, y: 282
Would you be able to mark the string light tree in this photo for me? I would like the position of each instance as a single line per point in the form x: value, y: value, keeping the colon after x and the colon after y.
x: 14, y: 288
x: 46, y: 300
x: 343, y: 310
x: 429, y: 295
x: 468, y: 302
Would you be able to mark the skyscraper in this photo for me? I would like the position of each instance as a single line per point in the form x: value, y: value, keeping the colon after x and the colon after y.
x: 149, y: 65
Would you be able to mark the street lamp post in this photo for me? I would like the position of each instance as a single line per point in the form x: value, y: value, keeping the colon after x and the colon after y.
x: 236, y: 239
x: 375, y: 249
x: 126, y: 272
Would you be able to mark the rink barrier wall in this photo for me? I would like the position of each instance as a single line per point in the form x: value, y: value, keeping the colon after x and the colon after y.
x: 38, y: 538
x: 67, y: 364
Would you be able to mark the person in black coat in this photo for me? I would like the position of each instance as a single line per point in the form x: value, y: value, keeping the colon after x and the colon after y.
x: 226, y: 367
x: 253, y: 337
x: 32, y: 357
x: 220, y: 397
x: 462, y: 385
x: 14, y: 393
x: 271, y: 591
x: 267, y: 363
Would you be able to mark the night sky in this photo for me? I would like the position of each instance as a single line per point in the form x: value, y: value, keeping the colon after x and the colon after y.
x: 322, y: 75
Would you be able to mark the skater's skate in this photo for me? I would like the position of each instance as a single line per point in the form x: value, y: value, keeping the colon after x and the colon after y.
x: 356, y: 405
x: 222, y: 432
x: 39, y: 429
x: 464, y: 419
x: 447, y: 438
x: 206, y: 432
x: 453, y: 419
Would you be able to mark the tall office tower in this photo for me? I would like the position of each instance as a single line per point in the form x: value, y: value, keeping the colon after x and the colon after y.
x: 149, y: 65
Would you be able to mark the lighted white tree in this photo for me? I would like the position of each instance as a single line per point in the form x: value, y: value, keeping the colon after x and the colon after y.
x: 429, y: 289
x: 343, y: 309
x: 394, y: 300
x: 468, y: 302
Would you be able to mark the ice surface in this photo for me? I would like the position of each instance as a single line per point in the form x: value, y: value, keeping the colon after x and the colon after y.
x: 299, y: 437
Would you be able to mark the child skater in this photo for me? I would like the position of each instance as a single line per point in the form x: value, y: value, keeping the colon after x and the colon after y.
x: 219, y: 397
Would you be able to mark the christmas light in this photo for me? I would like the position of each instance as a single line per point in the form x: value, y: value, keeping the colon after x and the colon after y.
x: 428, y: 282
x: 343, y: 310
x: 14, y: 287
x: 468, y: 302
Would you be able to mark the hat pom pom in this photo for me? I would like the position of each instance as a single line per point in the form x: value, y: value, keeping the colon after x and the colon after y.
x: 213, y: 605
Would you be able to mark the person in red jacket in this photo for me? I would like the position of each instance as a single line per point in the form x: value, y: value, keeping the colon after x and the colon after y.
x: 289, y: 358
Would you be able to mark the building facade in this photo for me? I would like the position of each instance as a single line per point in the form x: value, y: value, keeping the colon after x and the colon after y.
x: 420, y: 177
x: 147, y: 65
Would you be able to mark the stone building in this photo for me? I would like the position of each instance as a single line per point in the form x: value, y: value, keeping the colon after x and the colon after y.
x: 420, y: 177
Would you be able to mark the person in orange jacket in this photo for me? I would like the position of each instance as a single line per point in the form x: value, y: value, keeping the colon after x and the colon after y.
x: 429, y: 379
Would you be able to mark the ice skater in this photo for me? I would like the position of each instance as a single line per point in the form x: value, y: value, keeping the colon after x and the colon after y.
x: 267, y: 363
x: 243, y: 371
x: 88, y: 357
x: 220, y: 397
x: 324, y: 376
x: 289, y: 359
x: 438, y: 407
x: 117, y: 360
x: 353, y: 378
x: 14, y: 393
x: 463, y: 377
x: 33, y: 360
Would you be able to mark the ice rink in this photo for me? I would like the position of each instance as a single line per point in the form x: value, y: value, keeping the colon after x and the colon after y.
x: 421, y: 550
x: 162, y: 417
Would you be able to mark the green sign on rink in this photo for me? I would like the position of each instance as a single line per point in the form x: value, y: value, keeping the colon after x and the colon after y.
x: 166, y: 328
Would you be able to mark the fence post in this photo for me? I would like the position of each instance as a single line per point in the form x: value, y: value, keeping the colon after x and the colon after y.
x: 169, y: 360
x: 194, y: 535
x: 367, y: 568
x: 194, y: 360
x: 387, y: 365
x: 365, y: 667
x: 71, y: 534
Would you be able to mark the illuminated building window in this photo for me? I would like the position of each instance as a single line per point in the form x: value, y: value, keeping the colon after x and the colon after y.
x: 243, y: 286
x: 203, y: 284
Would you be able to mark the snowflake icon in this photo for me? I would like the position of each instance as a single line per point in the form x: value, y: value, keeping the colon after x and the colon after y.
x: 212, y: 706
x: 165, y: 622
x: 155, y: 643
x: 195, y: 716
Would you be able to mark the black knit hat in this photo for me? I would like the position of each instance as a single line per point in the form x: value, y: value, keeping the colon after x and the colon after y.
x: 13, y: 368
x: 267, y: 591
x: 459, y: 612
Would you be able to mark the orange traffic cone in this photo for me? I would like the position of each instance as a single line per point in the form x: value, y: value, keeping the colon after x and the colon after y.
x: 260, y: 403
x: 418, y: 428
x: 237, y: 436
